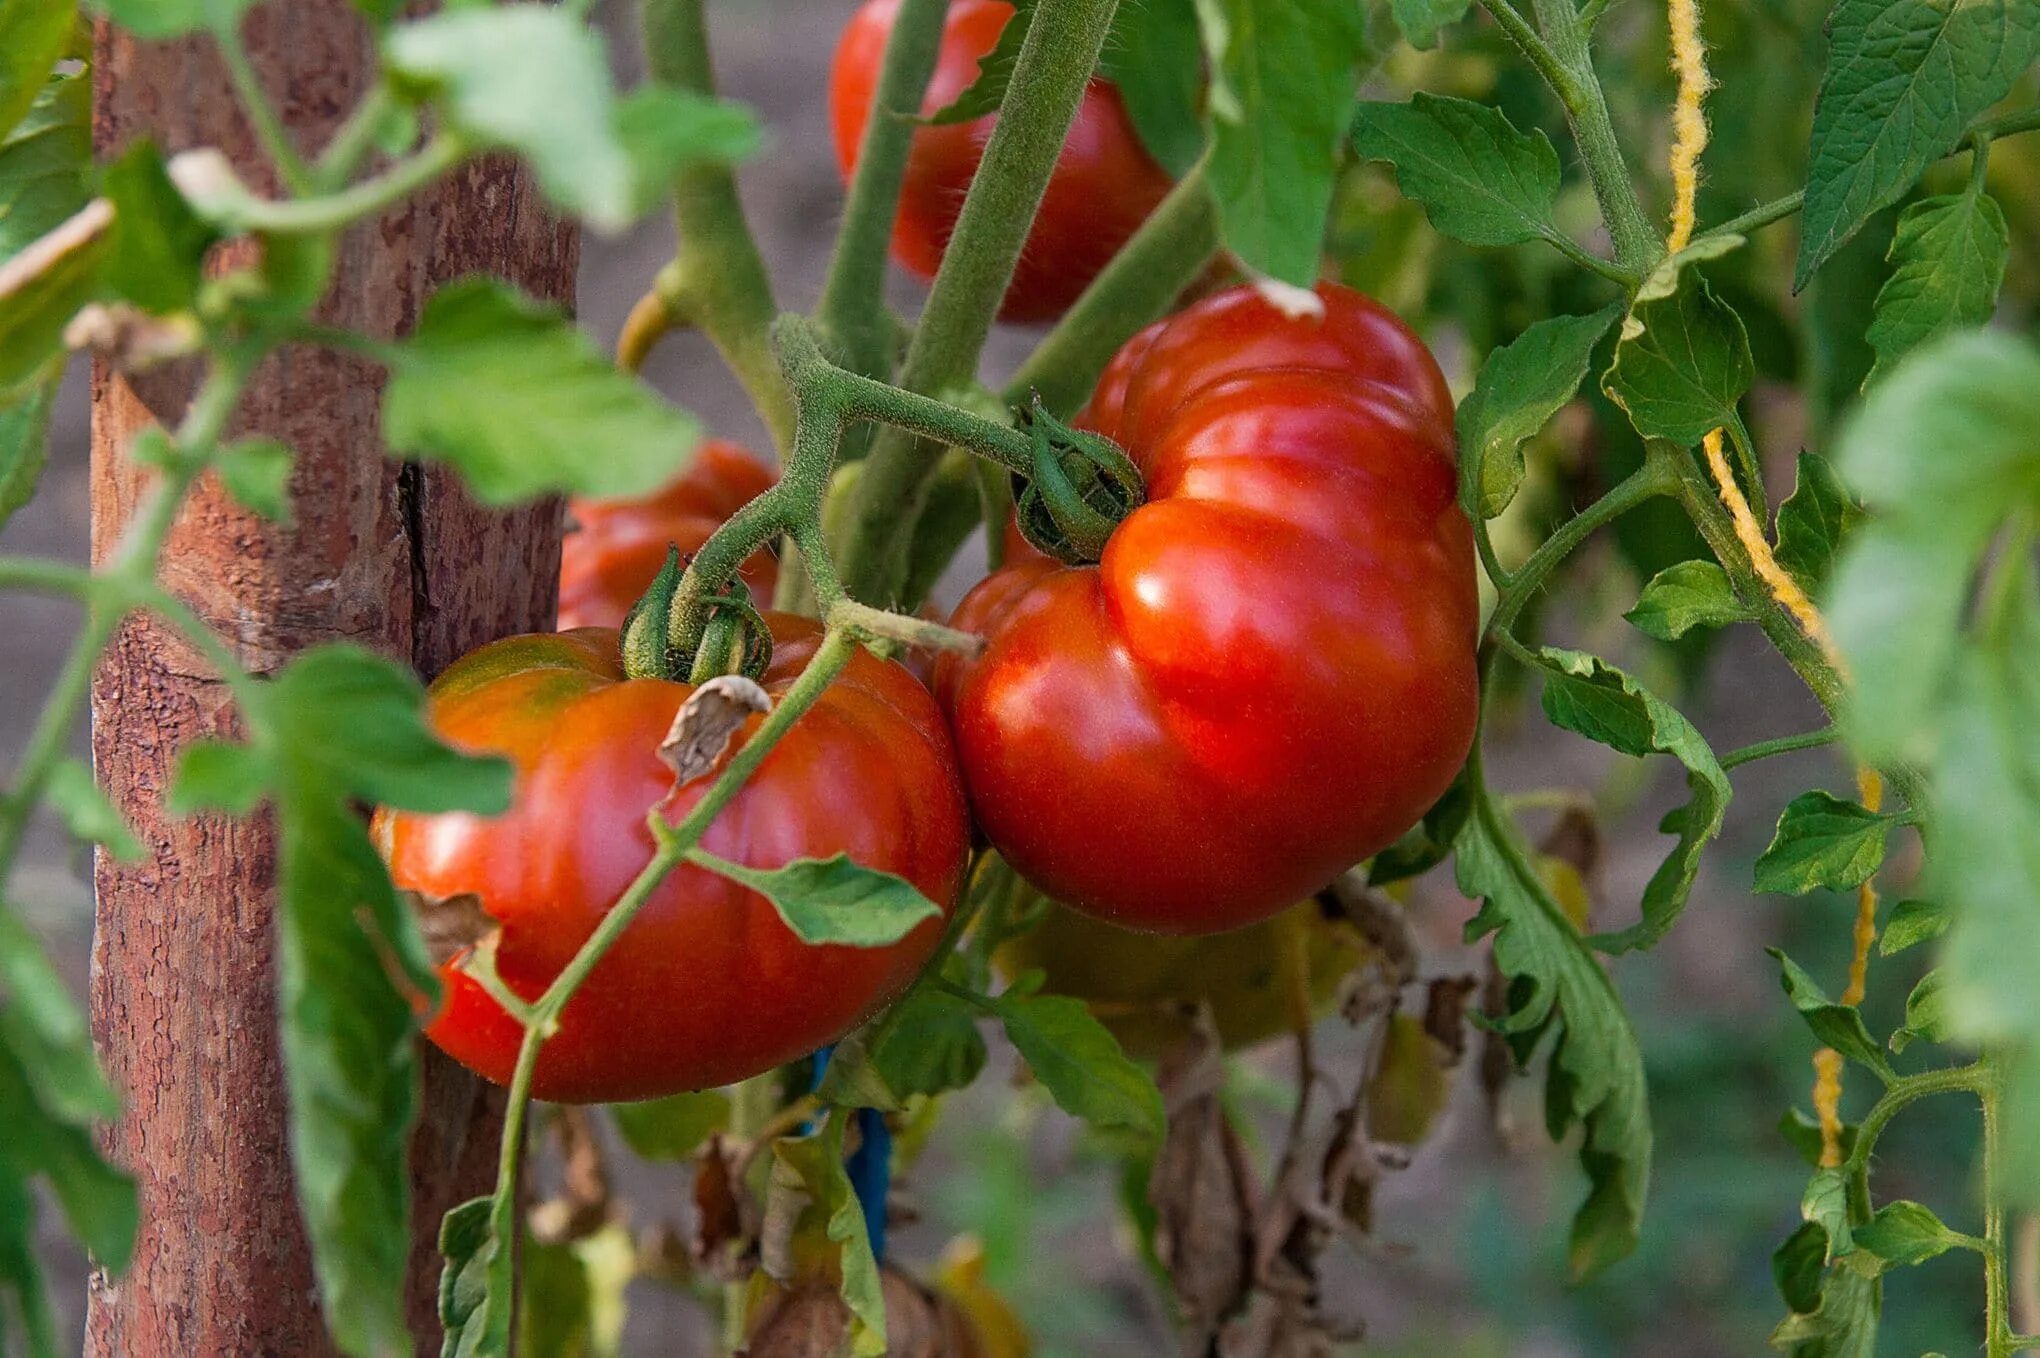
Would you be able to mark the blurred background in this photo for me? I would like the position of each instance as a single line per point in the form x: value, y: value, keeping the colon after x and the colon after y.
x: 1467, y: 1258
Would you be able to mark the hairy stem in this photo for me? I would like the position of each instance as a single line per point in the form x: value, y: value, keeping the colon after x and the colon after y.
x: 1637, y: 243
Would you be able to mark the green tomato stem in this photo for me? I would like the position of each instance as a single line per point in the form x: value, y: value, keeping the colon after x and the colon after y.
x: 1765, y: 749
x: 318, y: 216
x: 262, y: 116
x: 852, y: 308
x: 1054, y: 66
x: 355, y: 139
x: 1652, y: 479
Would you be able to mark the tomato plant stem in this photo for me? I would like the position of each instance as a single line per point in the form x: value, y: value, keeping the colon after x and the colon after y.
x: 1054, y: 66
x: 243, y: 211
x: 852, y: 308
x: 1652, y: 479
x: 255, y: 102
x: 717, y: 278
x: 1764, y: 749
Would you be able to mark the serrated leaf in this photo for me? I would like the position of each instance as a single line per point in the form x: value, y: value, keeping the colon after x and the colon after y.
x: 476, y: 1282
x: 1801, y: 1131
x: 1822, y: 843
x: 1903, y: 1234
x: 1520, y: 387
x: 1904, y: 79
x: 1688, y: 595
x: 928, y: 1045
x: 1825, y: 1204
x: 1798, y: 1264
x: 512, y: 395
x: 1080, y: 1063
x: 44, y: 157
x: 664, y: 129
x: 987, y: 90
x: 1422, y: 20
x: 1839, y: 1026
x: 1155, y: 56
x: 1597, y: 1075
x: 810, y: 1195
x: 1912, y: 923
x: 42, y: 1026
x: 1926, y: 1013
x: 98, y: 1200
x: 1478, y: 179
x: 86, y: 812
x: 33, y: 34
x: 1843, y: 1326
x: 1813, y: 523
x: 833, y: 900
x: 256, y: 472
x: 1284, y: 77
x: 25, y: 440
x: 1682, y: 364
x: 159, y: 243
x: 158, y: 19
x: 43, y: 285
x: 1948, y: 261
x: 1585, y: 694
x: 671, y: 1128
x: 1427, y: 843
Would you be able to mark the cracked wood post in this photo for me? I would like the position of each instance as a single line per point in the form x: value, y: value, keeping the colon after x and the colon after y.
x: 387, y: 556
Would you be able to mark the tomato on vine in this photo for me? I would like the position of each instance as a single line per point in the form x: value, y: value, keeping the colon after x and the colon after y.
x: 1271, y: 673
x: 1105, y: 183
x: 614, y: 547
x: 707, y: 985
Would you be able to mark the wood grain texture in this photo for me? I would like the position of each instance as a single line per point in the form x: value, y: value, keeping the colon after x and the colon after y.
x: 391, y: 557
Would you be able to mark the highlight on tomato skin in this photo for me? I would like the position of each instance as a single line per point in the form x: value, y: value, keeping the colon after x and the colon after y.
x: 1271, y: 673
x: 1104, y: 185
x: 707, y: 986
x: 614, y: 547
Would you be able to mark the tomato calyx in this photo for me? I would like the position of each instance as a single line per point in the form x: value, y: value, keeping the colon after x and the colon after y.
x: 735, y: 638
x: 1081, y: 487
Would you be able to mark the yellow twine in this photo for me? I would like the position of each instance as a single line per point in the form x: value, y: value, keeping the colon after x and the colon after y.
x: 1689, y: 121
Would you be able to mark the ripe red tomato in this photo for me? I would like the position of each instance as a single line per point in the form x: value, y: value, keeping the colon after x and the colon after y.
x: 1271, y: 674
x: 707, y: 986
x: 1103, y: 188
x: 617, y: 546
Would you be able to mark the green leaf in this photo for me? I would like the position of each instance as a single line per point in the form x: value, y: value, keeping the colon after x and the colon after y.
x: 809, y: 1196
x: 929, y: 1044
x: 42, y: 1026
x: 1912, y: 923
x: 1813, y: 523
x: 1422, y: 20
x: 555, y: 1305
x: 1682, y: 364
x: 1080, y: 1063
x: 98, y: 1201
x: 157, y: 19
x: 1585, y: 694
x: 1904, y: 80
x: 1822, y: 843
x: 1798, y: 1264
x: 1427, y: 843
x: 86, y: 812
x: 1284, y: 77
x: 1926, y: 1013
x: 44, y: 159
x: 1596, y: 1077
x: 33, y: 34
x: 256, y: 472
x: 833, y: 900
x: 1155, y: 56
x: 43, y: 286
x: 19, y: 1271
x: 336, y: 728
x: 1844, y: 1325
x: 1520, y: 387
x: 1836, y: 1025
x: 665, y: 129
x: 1901, y: 1235
x: 159, y: 243
x: 1688, y: 595
x: 519, y: 401
x: 671, y: 1128
x: 476, y: 1285
x: 1825, y: 1204
x: 215, y: 776
x: 1948, y: 260
x: 1801, y: 1131
x: 987, y: 90
x: 1478, y: 178
x: 25, y: 441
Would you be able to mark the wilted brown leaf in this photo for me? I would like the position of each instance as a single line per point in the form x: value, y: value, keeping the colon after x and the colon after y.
x: 725, y: 1244
x: 1202, y: 1188
x: 706, y: 723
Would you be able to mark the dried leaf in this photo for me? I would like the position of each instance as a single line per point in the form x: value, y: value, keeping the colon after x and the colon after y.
x: 451, y: 925
x: 811, y: 1321
x: 1201, y: 1188
x: 1445, y: 1013
x: 724, y: 1247
x: 1381, y: 922
x: 706, y: 723
x: 584, y: 1205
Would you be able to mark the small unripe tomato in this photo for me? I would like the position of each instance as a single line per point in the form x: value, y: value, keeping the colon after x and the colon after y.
x: 708, y: 985
x: 1259, y: 981
x: 1103, y: 188
x: 615, y: 547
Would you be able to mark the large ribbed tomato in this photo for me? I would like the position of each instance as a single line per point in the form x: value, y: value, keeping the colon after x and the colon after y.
x: 1270, y: 675
x: 1103, y: 188
x: 617, y: 546
x: 708, y: 985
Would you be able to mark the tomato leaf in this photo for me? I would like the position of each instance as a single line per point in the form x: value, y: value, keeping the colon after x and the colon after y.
x: 1822, y: 843
x: 1596, y: 1078
x: 929, y: 1044
x: 1478, y: 178
x: 810, y: 1200
x: 337, y: 727
x: 1836, y: 1025
x: 1914, y: 922
x: 1904, y: 79
x: 1682, y: 363
x: 159, y: 243
x: 86, y: 812
x: 158, y: 19
x: 832, y: 900
x: 1586, y: 695
x: 511, y: 394
x: 44, y: 158
x: 1520, y: 387
x: 19, y: 1271
x: 1284, y: 76
x: 476, y: 1284
x: 97, y: 1199
x: 1688, y: 595
x: 1080, y: 1063
x: 987, y: 90
x: 1901, y: 1235
x: 33, y: 34
x: 1948, y: 260
x: 671, y: 1128
x: 25, y: 440
x: 1843, y: 1325
x: 1814, y: 521
x: 1422, y: 20
x: 42, y: 286
x: 42, y: 1027
x: 1155, y: 56
x: 1797, y: 1266
x: 1926, y: 1013
x: 256, y: 472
